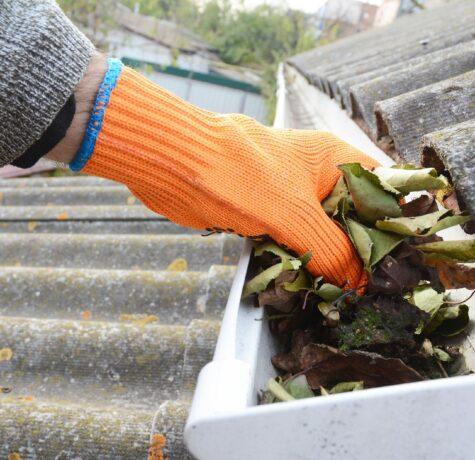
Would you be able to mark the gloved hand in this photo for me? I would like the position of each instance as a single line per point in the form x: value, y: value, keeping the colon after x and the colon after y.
x: 221, y: 172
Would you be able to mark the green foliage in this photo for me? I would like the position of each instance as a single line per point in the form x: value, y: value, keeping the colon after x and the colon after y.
x: 181, y: 11
x: 94, y: 15
x: 259, y: 38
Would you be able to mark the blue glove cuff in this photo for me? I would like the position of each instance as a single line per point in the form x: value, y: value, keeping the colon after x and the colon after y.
x: 94, y: 125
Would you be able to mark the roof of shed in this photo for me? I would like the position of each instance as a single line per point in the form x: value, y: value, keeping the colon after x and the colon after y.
x: 409, y: 85
x: 167, y: 33
x: 101, y: 336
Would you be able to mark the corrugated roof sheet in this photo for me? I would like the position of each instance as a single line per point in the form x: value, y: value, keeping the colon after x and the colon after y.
x: 100, y: 340
x: 407, y: 80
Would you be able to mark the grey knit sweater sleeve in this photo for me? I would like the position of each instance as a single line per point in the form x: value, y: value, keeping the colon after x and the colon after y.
x: 42, y: 58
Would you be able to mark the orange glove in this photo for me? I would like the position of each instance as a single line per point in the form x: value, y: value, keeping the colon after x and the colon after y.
x: 226, y: 172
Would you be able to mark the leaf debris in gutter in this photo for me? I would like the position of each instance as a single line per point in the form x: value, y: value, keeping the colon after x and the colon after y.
x: 335, y: 339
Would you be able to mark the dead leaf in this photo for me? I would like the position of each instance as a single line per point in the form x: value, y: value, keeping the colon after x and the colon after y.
x: 155, y: 452
x: 410, y: 178
x: 344, y: 387
x: 14, y: 456
x: 371, y: 200
x: 289, y: 362
x: 451, y: 202
x: 277, y: 296
x: 27, y: 399
x: 63, y: 216
x: 260, y: 282
x: 402, y: 271
x: 326, y: 365
x: 449, y: 321
x: 178, y: 265
x: 330, y: 313
x: 425, y: 204
x: 461, y: 250
x: 330, y: 203
x: 6, y: 354
x: 32, y: 225
x: 139, y: 319
x: 86, y: 315
x: 453, y: 275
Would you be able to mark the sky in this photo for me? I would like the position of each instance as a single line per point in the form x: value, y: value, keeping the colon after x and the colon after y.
x: 309, y: 6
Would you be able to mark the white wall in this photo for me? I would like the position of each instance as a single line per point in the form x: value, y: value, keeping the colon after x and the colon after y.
x: 213, y: 97
x: 134, y: 46
x: 387, y: 12
x: 344, y: 10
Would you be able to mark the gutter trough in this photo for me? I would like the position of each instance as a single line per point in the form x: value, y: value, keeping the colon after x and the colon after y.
x: 430, y: 419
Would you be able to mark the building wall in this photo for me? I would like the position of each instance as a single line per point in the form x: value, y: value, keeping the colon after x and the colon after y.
x: 213, y: 97
x: 124, y: 44
x: 134, y: 46
x: 387, y: 12
x: 355, y: 16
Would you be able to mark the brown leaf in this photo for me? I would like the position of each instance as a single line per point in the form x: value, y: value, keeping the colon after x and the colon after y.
x: 401, y: 271
x: 277, y: 296
x: 451, y: 202
x: 425, y: 204
x: 290, y: 362
x: 328, y: 366
x: 454, y: 276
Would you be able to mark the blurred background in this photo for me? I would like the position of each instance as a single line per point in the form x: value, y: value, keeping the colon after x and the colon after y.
x: 223, y: 54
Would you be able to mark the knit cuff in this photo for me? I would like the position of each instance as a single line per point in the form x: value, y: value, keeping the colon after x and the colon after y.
x: 43, y: 56
x: 97, y: 115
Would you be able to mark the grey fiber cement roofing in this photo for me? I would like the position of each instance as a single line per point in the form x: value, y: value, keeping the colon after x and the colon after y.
x: 410, y: 86
x: 100, y: 340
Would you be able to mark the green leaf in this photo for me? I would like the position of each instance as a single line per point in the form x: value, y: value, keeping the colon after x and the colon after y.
x: 343, y: 387
x: 449, y: 321
x: 383, y: 244
x: 370, y: 199
x: 425, y: 225
x: 441, y: 355
x: 410, y: 226
x: 324, y: 392
x: 428, y: 300
x: 272, y: 248
x: 330, y: 203
x: 302, y: 282
x: 330, y: 313
x: 329, y: 292
x: 260, y: 282
x: 446, y: 222
x: 299, y: 388
x: 408, y: 178
x: 279, y: 391
x: 317, y: 282
x: 461, y: 250
x: 371, y: 244
x: 361, y: 240
x: 305, y: 259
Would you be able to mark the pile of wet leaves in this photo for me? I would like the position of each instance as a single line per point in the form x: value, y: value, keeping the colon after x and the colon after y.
x: 394, y: 329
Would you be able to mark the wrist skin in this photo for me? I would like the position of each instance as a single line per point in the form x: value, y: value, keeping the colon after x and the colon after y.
x: 85, y: 95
